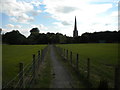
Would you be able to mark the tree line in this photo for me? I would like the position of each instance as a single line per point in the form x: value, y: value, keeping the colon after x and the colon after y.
x: 16, y: 38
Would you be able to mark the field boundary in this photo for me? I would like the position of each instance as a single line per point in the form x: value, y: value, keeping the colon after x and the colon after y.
x: 103, y: 83
x: 27, y: 75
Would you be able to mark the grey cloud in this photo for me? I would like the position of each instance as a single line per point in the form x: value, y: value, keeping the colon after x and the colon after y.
x: 65, y: 23
x: 107, y: 24
x: 35, y: 13
x: 65, y: 9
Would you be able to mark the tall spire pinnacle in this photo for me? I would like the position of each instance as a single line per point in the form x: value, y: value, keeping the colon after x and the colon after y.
x: 75, y: 27
x: 75, y: 32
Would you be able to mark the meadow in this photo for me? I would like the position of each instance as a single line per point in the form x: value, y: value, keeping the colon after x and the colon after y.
x: 12, y: 55
x: 103, y: 58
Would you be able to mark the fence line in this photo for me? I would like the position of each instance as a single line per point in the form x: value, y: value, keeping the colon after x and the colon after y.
x: 117, y: 78
x: 27, y: 74
x: 68, y: 56
x: 21, y: 76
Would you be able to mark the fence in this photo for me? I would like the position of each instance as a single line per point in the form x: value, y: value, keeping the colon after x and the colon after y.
x: 27, y: 74
x: 93, y: 72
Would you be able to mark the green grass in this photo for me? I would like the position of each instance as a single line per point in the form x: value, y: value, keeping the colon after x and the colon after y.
x: 103, y: 59
x: 12, y: 55
x: 0, y: 64
x: 77, y: 82
x: 45, y: 76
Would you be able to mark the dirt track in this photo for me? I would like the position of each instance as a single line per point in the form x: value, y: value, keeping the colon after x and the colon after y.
x: 61, y: 77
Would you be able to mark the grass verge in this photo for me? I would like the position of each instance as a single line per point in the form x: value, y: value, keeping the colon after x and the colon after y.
x: 44, y: 77
x: 12, y: 55
x: 103, y: 58
x: 77, y: 81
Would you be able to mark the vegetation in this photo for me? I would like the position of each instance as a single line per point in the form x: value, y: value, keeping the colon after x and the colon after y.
x: 103, y: 58
x: 99, y: 37
x: 15, y: 37
x: 77, y: 82
x: 12, y: 55
x: 45, y: 76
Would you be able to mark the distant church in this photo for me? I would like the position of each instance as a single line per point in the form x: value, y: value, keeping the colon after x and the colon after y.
x: 75, y: 32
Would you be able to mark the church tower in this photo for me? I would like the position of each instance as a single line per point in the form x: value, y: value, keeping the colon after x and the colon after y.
x: 75, y: 32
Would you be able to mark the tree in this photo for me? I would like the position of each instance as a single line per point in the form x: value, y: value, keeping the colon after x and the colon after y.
x: 0, y: 30
x: 33, y: 38
x: 34, y: 31
x: 0, y: 36
x: 14, y: 37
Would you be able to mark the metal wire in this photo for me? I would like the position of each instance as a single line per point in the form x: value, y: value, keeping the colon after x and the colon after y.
x: 15, y: 77
x: 27, y: 69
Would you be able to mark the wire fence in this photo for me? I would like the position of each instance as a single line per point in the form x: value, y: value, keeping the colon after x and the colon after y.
x: 96, y: 73
x: 28, y: 73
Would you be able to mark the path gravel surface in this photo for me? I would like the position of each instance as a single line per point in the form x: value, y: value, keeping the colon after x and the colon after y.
x: 61, y: 77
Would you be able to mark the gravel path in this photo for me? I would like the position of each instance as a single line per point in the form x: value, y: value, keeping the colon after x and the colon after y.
x: 61, y: 77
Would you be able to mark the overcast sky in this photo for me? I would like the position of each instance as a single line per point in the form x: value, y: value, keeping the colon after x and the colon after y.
x: 58, y: 15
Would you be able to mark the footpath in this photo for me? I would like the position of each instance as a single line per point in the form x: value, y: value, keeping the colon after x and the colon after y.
x: 61, y: 77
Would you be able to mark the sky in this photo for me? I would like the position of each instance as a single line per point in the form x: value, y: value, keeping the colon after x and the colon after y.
x: 58, y: 15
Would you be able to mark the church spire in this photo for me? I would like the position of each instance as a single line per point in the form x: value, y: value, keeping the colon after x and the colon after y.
x: 75, y: 32
x: 75, y: 27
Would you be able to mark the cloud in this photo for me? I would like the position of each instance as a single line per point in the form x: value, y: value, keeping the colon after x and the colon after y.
x: 11, y: 26
x: 35, y: 13
x: 14, y: 8
x: 114, y: 14
x: 23, y: 19
x: 87, y: 11
x: 65, y: 9
x: 17, y: 26
x: 36, y: 3
x: 58, y: 25
x: 24, y: 30
x: 107, y: 24
x: 40, y: 26
x: 66, y: 23
x: 92, y: 15
x: 19, y: 10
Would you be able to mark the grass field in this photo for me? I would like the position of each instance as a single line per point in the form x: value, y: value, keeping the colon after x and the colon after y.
x: 12, y: 55
x: 45, y: 73
x: 103, y: 58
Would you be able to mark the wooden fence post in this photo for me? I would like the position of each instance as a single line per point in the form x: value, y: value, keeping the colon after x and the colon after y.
x: 64, y: 53
x: 67, y: 54
x: 88, y: 69
x: 71, y: 57
x: 34, y: 67
x: 38, y: 58
x: 77, y: 63
x: 41, y: 55
x: 61, y: 51
x: 103, y: 85
x: 21, y: 75
x: 117, y: 78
